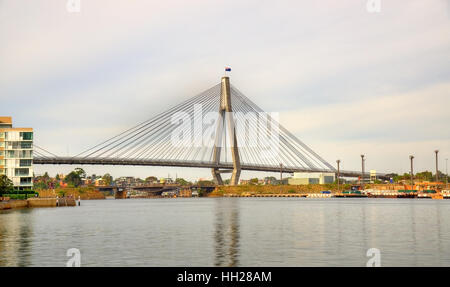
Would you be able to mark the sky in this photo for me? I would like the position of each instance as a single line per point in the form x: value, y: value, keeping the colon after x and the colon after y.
x: 345, y: 79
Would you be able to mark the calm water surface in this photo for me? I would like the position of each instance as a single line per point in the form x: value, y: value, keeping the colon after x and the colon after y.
x: 230, y: 232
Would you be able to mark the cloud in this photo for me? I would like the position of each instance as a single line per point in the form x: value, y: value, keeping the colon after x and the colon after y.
x: 399, y: 116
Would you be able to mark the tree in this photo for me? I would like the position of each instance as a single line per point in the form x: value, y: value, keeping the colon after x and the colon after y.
x: 424, y: 175
x: 205, y: 183
x: 73, y: 178
x: 254, y: 180
x: 151, y: 179
x: 394, y: 176
x: 441, y: 176
x: 108, y: 179
x: 81, y: 173
x: 6, y: 185
x: 182, y: 181
x: 270, y: 180
x: 46, y: 177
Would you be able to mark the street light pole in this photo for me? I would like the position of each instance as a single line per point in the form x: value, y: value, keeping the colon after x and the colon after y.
x: 281, y: 173
x: 411, y: 157
x: 362, y: 174
x: 437, y: 170
x: 338, y: 162
x: 446, y: 173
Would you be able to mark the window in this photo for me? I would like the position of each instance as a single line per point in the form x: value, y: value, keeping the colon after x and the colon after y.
x: 2, y: 144
x: 25, y: 162
x: 2, y: 171
x: 25, y: 144
x: 2, y: 162
x: 26, y: 136
x: 2, y: 153
x: 19, y: 154
x: 13, y: 145
x: 25, y: 154
x: 2, y: 135
x: 22, y: 171
x: 25, y: 180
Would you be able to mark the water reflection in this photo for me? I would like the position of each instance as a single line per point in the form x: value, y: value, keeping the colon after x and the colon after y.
x: 15, y: 237
x: 226, y: 234
x: 230, y: 232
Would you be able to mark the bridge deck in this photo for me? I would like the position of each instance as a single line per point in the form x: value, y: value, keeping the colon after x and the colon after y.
x: 139, y: 162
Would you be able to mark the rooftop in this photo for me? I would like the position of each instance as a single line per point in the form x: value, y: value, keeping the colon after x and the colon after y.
x: 6, y: 120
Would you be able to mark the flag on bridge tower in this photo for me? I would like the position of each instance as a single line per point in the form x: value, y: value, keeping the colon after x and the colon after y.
x: 227, y: 69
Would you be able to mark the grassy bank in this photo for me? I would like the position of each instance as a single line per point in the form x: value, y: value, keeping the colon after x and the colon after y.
x: 273, y: 189
x: 290, y: 189
x: 83, y: 192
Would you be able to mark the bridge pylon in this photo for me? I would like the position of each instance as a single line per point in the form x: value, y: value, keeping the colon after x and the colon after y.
x: 226, y: 115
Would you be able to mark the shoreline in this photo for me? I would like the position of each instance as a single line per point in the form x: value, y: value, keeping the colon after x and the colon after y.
x: 28, y: 203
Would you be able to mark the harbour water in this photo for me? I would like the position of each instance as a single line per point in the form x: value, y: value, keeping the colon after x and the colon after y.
x: 230, y: 232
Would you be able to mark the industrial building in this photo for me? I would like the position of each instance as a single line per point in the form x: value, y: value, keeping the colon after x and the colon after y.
x: 16, y: 154
x: 300, y: 178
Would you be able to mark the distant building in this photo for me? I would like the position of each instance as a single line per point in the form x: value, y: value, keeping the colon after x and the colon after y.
x: 300, y: 178
x: 186, y: 192
x: 166, y: 180
x: 244, y: 181
x: 373, y: 175
x: 100, y: 182
x: 271, y: 180
x: 16, y: 154
x: 127, y: 182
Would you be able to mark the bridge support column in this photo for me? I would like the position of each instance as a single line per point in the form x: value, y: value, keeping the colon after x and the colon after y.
x: 216, y: 176
x: 226, y: 114
x: 120, y: 194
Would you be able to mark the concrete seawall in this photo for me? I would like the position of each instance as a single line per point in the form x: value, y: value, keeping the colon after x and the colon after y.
x: 65, y: 201
x: 37, y: 202
x: 41, y: 202
x: 13, y: 204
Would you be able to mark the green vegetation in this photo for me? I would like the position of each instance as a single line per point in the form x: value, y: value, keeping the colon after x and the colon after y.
x: 107, y: 178
x: 22, y: 195
x: 205, y: 183
x: 61, y: 193
x: 151, y: 179
x: 423, y: 176
x: 6, y: 185
x: 73, y: 179
x: 182, y: 181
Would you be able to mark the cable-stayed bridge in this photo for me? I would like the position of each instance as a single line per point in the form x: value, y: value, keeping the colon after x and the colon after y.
x: 220, y: 129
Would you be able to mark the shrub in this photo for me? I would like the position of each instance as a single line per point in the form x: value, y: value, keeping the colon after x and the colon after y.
x: 15, y: 196
x: 21, y: 195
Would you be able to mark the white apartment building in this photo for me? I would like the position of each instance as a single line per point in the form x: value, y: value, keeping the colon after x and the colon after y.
x: 16, y: 154
x: 311, y: 178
